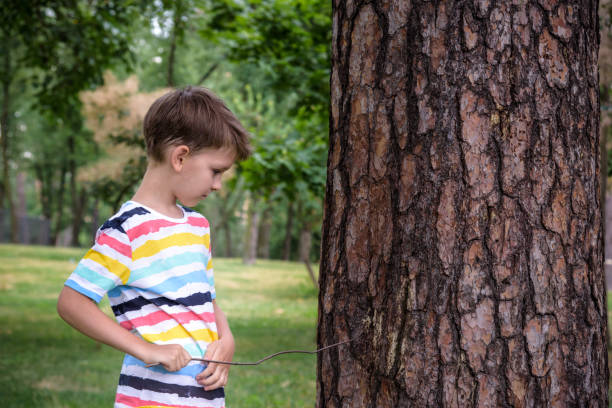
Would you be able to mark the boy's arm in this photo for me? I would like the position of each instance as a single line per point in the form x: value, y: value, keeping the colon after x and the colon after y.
x: 215, y: 375
x: 83, y: 314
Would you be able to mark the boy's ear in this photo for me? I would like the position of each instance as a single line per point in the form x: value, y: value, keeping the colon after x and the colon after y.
x: 178, y: 154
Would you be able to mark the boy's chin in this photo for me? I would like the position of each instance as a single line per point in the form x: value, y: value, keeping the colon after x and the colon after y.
x: 192, y: 202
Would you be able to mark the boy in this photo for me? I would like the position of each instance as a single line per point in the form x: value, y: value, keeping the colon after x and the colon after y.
x: 153, y: 259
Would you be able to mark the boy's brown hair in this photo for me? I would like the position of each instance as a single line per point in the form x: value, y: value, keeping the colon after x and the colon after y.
x: 195, y: 117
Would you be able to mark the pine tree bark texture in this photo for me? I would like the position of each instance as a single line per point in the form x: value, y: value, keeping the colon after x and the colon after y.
x: 463, y: 237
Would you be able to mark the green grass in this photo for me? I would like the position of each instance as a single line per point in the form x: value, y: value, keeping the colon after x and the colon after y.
x: 271, y: 306
x: 44, y: 363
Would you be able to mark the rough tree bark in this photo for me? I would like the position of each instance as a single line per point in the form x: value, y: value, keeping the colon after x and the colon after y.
x: 463, y: 239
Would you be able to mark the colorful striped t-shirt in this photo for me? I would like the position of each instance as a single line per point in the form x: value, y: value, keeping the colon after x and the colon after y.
x: 157, y: 272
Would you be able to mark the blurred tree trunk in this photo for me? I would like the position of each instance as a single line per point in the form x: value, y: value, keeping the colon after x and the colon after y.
x: 22, y: 206
x: 7, y: 191
x: 250, y: 247
x: 463, y: 238
x: 305, y: 245
x: 305, y: 216
x: 232, y: 197
x: 79, y: 203
x: 265, y: 226
x: 178, y: 27
x: 78, y: 198
x: 225, y: 229
x: 43, y: 174
x: 59, y: 209
x: 288, y: 232
x: 95, y: 215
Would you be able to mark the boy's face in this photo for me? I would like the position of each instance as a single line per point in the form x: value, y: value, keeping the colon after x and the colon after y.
x: 201, y: 174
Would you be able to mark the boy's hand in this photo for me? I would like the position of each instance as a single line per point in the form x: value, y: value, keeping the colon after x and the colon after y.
x: 215, y: 375
x: 172, y: 356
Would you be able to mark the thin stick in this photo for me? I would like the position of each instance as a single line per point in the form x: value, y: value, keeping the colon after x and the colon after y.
x: 265, y: 358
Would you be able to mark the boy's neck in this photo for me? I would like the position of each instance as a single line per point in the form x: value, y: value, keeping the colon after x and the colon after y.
x: 153, y: 192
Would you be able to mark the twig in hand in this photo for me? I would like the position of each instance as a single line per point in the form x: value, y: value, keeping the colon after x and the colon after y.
x: 265, y: 358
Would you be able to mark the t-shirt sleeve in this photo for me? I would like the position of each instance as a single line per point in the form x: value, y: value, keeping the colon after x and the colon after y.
x: 105, y: 266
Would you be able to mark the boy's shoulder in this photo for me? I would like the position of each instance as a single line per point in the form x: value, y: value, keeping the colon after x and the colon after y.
x: 190, y: 212
x: 195, y: 217
x: 119, y: 221
x: 132, y: 216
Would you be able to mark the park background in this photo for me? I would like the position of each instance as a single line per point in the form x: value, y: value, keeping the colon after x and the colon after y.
x: 77, y: 78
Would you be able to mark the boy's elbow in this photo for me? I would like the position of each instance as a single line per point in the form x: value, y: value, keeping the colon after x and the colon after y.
x: 65, y: 303
x: 61, y: 304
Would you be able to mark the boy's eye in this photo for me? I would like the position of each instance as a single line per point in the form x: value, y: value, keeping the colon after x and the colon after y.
x: 215, y: 171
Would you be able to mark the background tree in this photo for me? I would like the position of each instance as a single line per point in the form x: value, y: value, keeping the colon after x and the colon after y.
x: 280, y: 49
x: 114, y: 113
x: 286, y: 46
x: 463, y: 238
x: 58, y: 48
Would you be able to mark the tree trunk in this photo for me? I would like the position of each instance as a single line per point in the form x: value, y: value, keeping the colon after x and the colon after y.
x: 78, y: 213
x: 175, y: 36
x: 228, y: 239
x: 22, y: 206
x: 265, y: 226
x: 4, y: 134
x: 463, y: 239
x: 231, y: 197
x: 288, y: 231
x: 44, y: 176
x: 95, y: 215
x: 78, y: 199
x: 59, y: 210
x: 305, y: 245
x: 250, y: 248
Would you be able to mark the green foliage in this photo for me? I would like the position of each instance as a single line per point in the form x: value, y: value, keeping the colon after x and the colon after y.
x: 290, y: 39
x: 52, y: 50
x: 114, y: 191
x: 70, y: 43
x: 269, y: 59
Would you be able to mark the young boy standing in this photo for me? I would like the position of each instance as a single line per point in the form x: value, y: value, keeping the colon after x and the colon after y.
x: 153, y: 259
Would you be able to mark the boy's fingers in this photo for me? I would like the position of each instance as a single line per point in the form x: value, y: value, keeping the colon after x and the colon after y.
x: 208, y: 382
x: 210, y: 369
x: 210, y: 351
x: 206, y: 378
x: 186, y: 358
x: 217, y: 384
x: 177, y: 358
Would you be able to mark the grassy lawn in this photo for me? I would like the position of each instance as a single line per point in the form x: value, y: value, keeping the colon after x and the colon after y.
x: 271, y: 306
x: 44, y: 363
